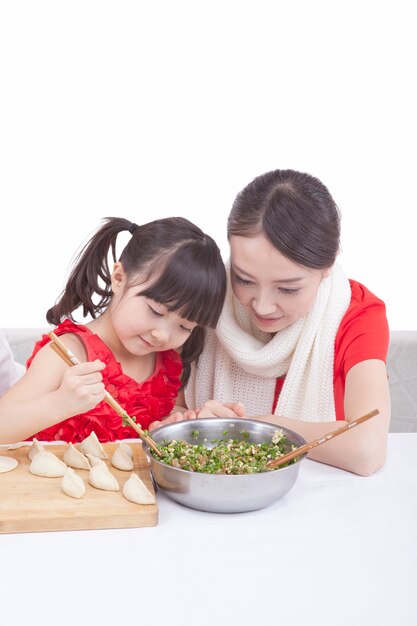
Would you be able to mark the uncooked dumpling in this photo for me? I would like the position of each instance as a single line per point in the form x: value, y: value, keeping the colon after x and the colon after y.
x: 94, y: 460
x: 35, y: 448
x: 75, y: 458
x: 122, y: 457
x: 92, y: 445
x: 101, y: 478
x: 72, y: 484
x: 47, y: 464
x: 136, y: 491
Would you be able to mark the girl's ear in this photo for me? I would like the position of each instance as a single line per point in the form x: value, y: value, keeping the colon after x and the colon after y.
x: 118, y: 278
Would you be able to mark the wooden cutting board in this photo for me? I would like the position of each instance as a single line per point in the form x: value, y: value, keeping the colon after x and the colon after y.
x: 30, y: 503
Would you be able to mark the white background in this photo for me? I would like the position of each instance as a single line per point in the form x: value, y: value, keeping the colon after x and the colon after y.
x: 150, y: 109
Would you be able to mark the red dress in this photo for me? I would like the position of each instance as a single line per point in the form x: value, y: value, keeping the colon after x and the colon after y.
x: 363, y: 334
x: 152, y: 399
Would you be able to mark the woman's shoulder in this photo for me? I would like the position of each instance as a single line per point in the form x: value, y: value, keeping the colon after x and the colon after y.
x: 365, y: 308
x: 363, y: 332
x: 362, y: 296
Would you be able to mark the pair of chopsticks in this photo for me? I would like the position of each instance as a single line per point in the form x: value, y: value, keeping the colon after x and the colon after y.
x: 70, y: 359
x: 318, y: 442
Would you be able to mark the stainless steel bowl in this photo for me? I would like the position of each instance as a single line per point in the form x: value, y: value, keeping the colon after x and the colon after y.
x: 222, y: 493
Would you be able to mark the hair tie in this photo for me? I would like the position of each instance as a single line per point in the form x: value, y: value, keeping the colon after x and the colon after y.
x: 132, y: 228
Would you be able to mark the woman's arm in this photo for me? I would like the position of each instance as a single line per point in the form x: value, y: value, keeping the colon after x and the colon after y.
x: 363, y: 449
x: 48, y: 393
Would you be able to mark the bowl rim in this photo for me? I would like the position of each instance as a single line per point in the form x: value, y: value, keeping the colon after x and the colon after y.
x: 227, y: 419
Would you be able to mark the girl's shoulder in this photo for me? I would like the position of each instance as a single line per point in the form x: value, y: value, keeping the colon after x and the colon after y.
x: 74, y: 340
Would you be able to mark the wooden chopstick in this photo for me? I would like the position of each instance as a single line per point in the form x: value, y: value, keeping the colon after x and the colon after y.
x: 70, y: 359
x: 318, y: 442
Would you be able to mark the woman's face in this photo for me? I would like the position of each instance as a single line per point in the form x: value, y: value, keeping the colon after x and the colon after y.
x: 274, y: 290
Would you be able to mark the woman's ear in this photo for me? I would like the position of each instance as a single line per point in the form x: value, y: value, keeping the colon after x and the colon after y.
x: 118, y: 278
x: 326, y: 272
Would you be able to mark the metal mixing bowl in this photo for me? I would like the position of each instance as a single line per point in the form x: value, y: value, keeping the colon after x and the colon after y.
x: 222, y: 493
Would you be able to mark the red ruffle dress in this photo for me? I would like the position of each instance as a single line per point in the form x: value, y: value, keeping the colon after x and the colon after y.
x: 150, y: 400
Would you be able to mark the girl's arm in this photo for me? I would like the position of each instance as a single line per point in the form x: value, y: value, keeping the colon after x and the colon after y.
x: 363, y: 449
x: 49, y: 392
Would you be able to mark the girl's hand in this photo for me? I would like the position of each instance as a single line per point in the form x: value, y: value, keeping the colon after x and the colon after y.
x: 178, y: 416
x: 217, y: 409
x: 81, y: 388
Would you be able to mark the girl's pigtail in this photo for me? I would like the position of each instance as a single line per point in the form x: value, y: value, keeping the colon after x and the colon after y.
x: 90, y: 275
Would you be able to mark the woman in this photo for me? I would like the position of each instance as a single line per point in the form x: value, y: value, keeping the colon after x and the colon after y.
x: 298, y: 343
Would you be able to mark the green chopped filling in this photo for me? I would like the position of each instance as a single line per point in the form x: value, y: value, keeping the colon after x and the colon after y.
x: 228, y: 456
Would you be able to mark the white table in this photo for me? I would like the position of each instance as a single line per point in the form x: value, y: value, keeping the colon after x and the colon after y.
x: 337, y: 550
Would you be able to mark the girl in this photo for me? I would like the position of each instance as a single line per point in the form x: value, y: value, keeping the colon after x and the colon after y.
x: 167, y: 287
x: 296, y: 337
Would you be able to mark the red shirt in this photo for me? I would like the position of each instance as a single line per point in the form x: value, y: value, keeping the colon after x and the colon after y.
x: 152, y: 399
x: 363, y: 334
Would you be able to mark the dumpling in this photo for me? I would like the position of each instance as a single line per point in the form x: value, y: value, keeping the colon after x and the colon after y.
x: 92, y: 445
x: 72, y: 484
x: 35, y: 448
x: 101, y: 478
x: 47, y: 464
x: 136, y: 491
x: 75, y: 458
x: 93, y: 460
x: 123, y: 457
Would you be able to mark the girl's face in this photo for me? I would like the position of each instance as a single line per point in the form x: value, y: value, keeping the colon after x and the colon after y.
x: 143, y: 325
x: 274, y: 290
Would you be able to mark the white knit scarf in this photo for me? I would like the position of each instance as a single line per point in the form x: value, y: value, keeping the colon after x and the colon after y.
x: 240, y: 362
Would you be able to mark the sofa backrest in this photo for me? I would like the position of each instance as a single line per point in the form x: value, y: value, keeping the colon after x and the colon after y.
x: 401, y: 364
x: 402, y: 373
x: 22, y: 341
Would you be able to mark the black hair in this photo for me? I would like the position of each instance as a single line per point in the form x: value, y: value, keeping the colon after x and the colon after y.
x: 183, y: 264
x: 296, y: 213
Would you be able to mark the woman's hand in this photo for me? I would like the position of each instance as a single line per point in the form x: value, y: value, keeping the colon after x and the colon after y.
x: 81, y: 388
x: 209, y: 409
x: 178, y: 416
x: 218, y: 409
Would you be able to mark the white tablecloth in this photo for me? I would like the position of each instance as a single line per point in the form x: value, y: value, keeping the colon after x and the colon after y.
x: 337, y: 550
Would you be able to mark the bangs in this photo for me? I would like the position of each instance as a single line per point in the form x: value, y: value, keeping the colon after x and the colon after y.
x: 192, y: 284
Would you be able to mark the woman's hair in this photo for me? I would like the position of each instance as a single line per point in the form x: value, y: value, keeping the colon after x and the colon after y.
x: 295, y: 211
x: 183, y: 265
